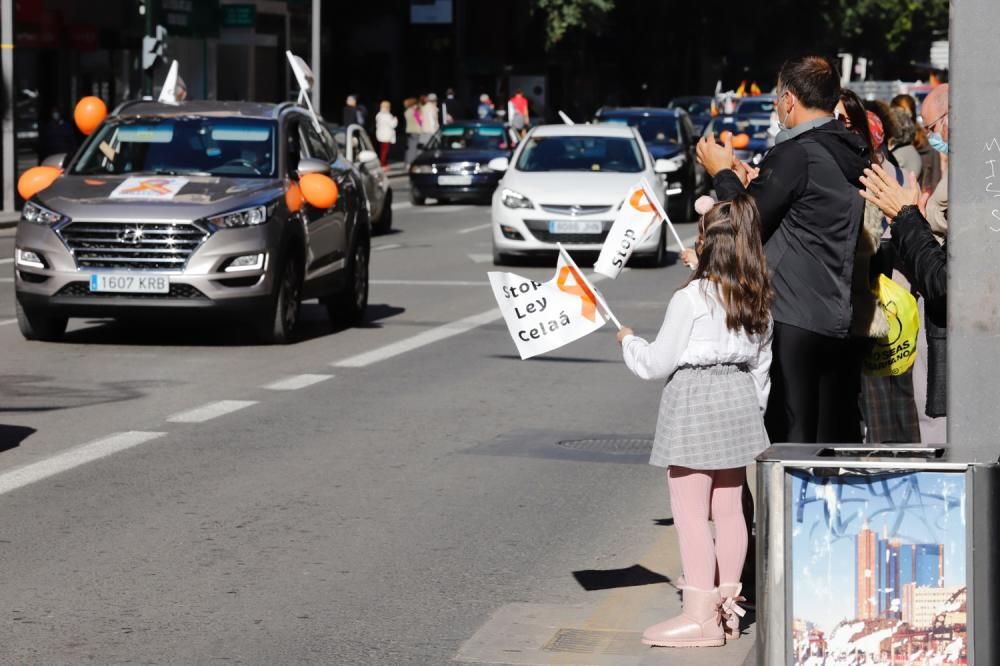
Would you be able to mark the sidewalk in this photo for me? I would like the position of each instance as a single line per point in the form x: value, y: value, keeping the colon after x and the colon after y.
x: 607, y: 630
x: 8, y: 219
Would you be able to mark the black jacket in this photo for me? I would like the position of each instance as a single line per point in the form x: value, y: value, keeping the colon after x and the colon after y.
x: 923, y: 260
x: 811, y: 215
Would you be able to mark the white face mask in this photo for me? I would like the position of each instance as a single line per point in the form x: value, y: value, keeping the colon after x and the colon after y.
x: 781, y: 123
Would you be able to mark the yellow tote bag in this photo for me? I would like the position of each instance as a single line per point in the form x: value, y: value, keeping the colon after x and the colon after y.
x: 894, y: 353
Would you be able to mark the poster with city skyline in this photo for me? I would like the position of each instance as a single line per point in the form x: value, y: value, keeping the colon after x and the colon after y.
x: 878, y: 569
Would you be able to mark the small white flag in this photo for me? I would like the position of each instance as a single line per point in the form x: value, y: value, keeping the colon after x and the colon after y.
x: 639, y: 217
x: 542, y: 316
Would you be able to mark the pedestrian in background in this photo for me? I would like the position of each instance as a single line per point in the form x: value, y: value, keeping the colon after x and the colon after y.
x: 429, y: 123
x: 901, y: 143
x: 452, y: 109
x: 351, y: 114
x: 811, y: 216
x: 714, y: 350
x: 930, y: 173
x: 412, y: 128
x: 485, y: 110
x: 385, y: 131
x: 519, y: 117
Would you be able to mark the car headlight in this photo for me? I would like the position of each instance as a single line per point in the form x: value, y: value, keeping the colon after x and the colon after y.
x: 245, y: 217
x: 512, y: 199
x: 422, y: 168
x: 36, y: 214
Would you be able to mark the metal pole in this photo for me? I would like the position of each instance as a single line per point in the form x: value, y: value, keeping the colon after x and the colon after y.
x: 7, y: 73
x: 147, y: 74
x: 315, y: 57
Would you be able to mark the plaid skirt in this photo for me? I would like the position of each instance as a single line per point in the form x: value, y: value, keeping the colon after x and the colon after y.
x: 709, y: 419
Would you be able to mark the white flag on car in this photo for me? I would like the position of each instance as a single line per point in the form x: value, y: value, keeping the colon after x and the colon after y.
x: 639, y: 217
x: 542, y: 316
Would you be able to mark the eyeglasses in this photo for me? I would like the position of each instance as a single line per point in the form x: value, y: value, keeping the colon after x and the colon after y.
x: 930, y: 126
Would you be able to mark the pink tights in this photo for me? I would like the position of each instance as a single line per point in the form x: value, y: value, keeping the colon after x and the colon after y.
x: 692, y: 493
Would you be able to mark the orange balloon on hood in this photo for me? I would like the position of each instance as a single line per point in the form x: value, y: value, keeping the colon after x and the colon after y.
x: 89, y: 113
x: 741, y: 140
x: 319, y: 190
x: 36, y: 179
x: 293, y: 198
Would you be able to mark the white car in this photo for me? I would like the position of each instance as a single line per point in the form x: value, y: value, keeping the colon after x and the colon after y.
x: 565, y: 184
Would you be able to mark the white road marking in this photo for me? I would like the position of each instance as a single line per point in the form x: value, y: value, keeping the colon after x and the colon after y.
x: 480, y: 258
x: 296, y: 382
x: 6, y: 279
x: 210, y: 411
x: 420, y: 340
x: 7, y: 261
x: 390, y: 246
x: 75, y: 457
x: 433, y: 283
x: 401, y: 206
x: 7, y: 322
x: 476, y: 228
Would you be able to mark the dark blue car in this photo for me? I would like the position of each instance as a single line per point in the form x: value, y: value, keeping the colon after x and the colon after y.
x: 454, y: 164
x: 698, y: 107
x: 668, y: 135
x: 753, y: 126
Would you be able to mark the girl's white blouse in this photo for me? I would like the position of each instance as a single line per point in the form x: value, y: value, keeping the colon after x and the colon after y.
x: 694, y: 333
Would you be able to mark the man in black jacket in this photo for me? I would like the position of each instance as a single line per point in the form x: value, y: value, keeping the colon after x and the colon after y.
x: 811, y: 214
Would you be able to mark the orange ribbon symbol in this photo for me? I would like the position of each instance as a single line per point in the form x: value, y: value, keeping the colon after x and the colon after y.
x: 589, y: 308
x: 157, y: 185
x: 640, y: 202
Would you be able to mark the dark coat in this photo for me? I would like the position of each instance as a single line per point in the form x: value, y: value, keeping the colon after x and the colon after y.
x: 811, y: 215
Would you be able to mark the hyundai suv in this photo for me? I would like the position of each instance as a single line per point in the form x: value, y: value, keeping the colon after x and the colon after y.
x: 194, y: 207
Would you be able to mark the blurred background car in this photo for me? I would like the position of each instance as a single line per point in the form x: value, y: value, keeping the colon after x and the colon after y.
x: 453, y: 165
x: 565, y: 184
x: 668, y: 135
x: 354, y: 145
x: 758, y: 106
x: 698, y: 108
x: 755, y: 128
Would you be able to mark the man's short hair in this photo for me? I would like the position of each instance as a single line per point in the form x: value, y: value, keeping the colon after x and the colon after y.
x: 813, y: 79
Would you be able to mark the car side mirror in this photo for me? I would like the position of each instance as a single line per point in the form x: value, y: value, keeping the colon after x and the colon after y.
x: 367, y: 156
x: 309, y: 165
x: 498, y: 164
x: 665, y: 166
x: 58, y: 160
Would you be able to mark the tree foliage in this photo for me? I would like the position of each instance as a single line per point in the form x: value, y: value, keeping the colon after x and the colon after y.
x: 897, y: 22
x: 562, y: 16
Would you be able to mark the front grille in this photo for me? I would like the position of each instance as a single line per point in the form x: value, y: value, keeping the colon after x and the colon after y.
x: 133, y: 245
x: 574, y: 210
x: 82, y: 289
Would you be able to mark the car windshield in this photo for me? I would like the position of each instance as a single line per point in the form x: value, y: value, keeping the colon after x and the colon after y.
x: 693, y: 106
x: 581, y: 153
x: 475, y: 137
x: 752, y: 105
x: 239, y: 147
x: 653, y: 129
x: 755, y: 127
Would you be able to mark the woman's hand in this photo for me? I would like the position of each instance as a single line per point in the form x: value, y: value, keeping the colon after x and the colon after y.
x: 883, y: 191
x: 689, y: 258
x: 625, y: 330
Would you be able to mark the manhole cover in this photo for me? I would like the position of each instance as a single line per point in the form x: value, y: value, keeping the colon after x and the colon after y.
x: 588, y: 641
x: 608, y: 445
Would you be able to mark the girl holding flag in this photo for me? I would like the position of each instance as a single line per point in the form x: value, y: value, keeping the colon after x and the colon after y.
x: 714, y: 350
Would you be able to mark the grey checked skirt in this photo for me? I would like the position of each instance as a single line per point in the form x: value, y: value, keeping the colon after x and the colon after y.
x: 709, y: 419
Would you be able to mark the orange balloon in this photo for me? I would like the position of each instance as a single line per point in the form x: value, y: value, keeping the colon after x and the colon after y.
x: 741, y: 140
x: 89, y: 113
x: 36, y: 179
x: 319, y: 190
x: 724, y: 134
x: 293, y: 198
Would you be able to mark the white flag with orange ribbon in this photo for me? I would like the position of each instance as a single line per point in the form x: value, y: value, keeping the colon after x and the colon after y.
x: 542, y: 316
x: 639, y: 217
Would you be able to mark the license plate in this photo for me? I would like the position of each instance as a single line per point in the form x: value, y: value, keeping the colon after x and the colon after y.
x: 454, y: 180
x: 129, y: 284
x: 576, y: 227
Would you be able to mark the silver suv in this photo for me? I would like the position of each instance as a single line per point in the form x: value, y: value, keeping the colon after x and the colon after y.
x: 194, y: 207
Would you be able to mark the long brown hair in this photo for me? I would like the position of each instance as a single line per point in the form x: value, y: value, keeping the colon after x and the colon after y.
x: 732, y: 256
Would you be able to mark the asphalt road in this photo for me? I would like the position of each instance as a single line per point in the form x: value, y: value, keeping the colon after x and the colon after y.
x: 163, y: 502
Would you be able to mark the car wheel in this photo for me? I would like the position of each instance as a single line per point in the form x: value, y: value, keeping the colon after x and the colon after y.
x: 416, y: 199
x: 350, y: 305
x: 278, y: 324
x: 384, y: 224
x: 36, y: 326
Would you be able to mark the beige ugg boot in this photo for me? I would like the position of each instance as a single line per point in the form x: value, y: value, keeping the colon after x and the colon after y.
x: 697, y: 625
x: 731, y: 610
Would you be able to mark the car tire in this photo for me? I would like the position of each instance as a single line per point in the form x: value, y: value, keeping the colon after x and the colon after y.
x: 384, y: 224
x: 350, y: 305
x: 416, y: 199
x: 277, y: 326
x: 36, y: 326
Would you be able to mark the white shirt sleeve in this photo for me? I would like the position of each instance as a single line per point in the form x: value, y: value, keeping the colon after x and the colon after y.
x: 760, y: 368
x: 659, y: 359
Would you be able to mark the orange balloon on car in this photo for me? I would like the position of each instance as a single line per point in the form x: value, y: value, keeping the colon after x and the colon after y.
x: 293, y: 198
x: 741, y: 140
x: 319, y: 190
x: 36, y: 179
x: 89, y: 113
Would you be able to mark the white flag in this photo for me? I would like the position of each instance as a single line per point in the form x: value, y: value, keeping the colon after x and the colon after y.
x: 638, y: 218
x: 542, y: 316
